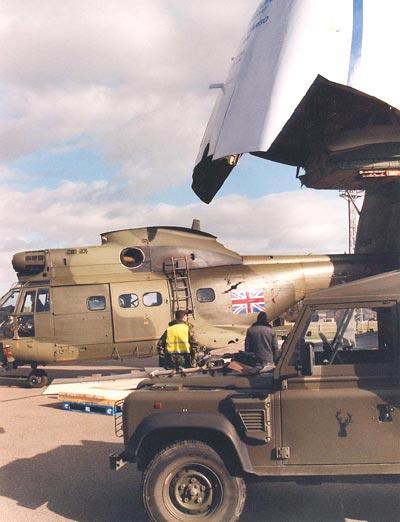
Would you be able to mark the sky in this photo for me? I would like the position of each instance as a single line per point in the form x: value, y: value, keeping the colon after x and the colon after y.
x: 103, y: 104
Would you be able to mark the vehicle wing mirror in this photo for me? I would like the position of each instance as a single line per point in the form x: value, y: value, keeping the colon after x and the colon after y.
x: 306, y: 362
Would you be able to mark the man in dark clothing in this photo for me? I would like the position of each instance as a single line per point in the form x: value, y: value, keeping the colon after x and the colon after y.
x: 261, y: 341
x: 177, y: 345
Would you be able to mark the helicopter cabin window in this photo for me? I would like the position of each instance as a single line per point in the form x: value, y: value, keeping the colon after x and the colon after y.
x: 152, y: 299
x: 29, y: 302
x: 205, y: 295
x: 96, y: 302
x: 128, y: 301
x: 341, y: 336
x: 42, y: 300
x: 132, y: 257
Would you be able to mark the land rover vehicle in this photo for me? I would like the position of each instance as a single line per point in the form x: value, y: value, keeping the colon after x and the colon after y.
x: 329, y: 408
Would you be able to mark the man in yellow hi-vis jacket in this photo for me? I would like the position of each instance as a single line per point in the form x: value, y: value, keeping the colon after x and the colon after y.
x: 177, y: 345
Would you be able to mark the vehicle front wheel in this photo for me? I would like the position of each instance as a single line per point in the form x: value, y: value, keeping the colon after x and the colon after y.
x: 188, y: 481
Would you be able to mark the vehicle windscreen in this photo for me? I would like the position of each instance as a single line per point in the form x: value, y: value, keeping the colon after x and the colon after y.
x: 356, y: 335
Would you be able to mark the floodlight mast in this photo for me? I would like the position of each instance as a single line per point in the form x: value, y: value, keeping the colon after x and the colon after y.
x: 353, y: 213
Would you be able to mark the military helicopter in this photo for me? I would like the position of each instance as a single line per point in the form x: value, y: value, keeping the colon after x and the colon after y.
x: 116, y: 299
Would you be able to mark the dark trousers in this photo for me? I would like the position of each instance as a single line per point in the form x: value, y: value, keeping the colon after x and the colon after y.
x: 175, y: 360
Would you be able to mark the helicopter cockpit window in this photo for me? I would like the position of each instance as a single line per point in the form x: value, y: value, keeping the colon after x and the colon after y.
x: 205, y: 295
x: 96, y: 302
x: 152, y: 299
x: 351, y: 335
x: 7, y: 307
x: 132, y: 257
x: 128, y: 301
x: 29, y: 302
x: 42, y: 300
x: 8, y: 302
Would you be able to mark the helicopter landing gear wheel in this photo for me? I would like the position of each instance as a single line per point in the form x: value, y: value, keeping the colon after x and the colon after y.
x: 37, y: 379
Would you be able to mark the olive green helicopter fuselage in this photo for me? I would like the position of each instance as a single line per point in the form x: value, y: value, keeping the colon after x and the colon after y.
x: 116, y: 299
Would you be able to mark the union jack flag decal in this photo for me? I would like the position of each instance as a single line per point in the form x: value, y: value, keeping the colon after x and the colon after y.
x: 248, y: 301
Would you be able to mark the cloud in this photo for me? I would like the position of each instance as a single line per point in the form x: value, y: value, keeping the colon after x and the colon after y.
x: 129, y: 81
x: 126, y: 78
x: 74, y: 214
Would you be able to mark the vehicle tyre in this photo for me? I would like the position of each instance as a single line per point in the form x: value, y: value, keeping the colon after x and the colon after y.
x: 188, y: 481
x: 38, y: 379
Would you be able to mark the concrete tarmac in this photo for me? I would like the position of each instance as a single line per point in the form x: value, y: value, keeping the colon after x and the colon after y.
x: 54, y: 466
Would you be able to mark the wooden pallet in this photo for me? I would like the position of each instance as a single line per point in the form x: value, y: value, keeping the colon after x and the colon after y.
x: 92, y: 396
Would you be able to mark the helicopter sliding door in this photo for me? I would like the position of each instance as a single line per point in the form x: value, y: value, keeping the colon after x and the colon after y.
x: 141, y: 310
x: 82, y: 314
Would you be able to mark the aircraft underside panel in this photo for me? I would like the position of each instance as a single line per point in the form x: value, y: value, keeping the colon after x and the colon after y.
x: 379, y: 225
x: 305, y: 72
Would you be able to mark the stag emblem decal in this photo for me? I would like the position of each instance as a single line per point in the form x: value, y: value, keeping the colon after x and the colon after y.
x: 343, y: 423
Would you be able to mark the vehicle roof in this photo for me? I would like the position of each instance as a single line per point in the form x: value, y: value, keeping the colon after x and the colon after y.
x: 377, y: 287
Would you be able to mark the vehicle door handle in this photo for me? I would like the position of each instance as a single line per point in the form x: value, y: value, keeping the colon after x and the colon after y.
x: 385, y: 412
